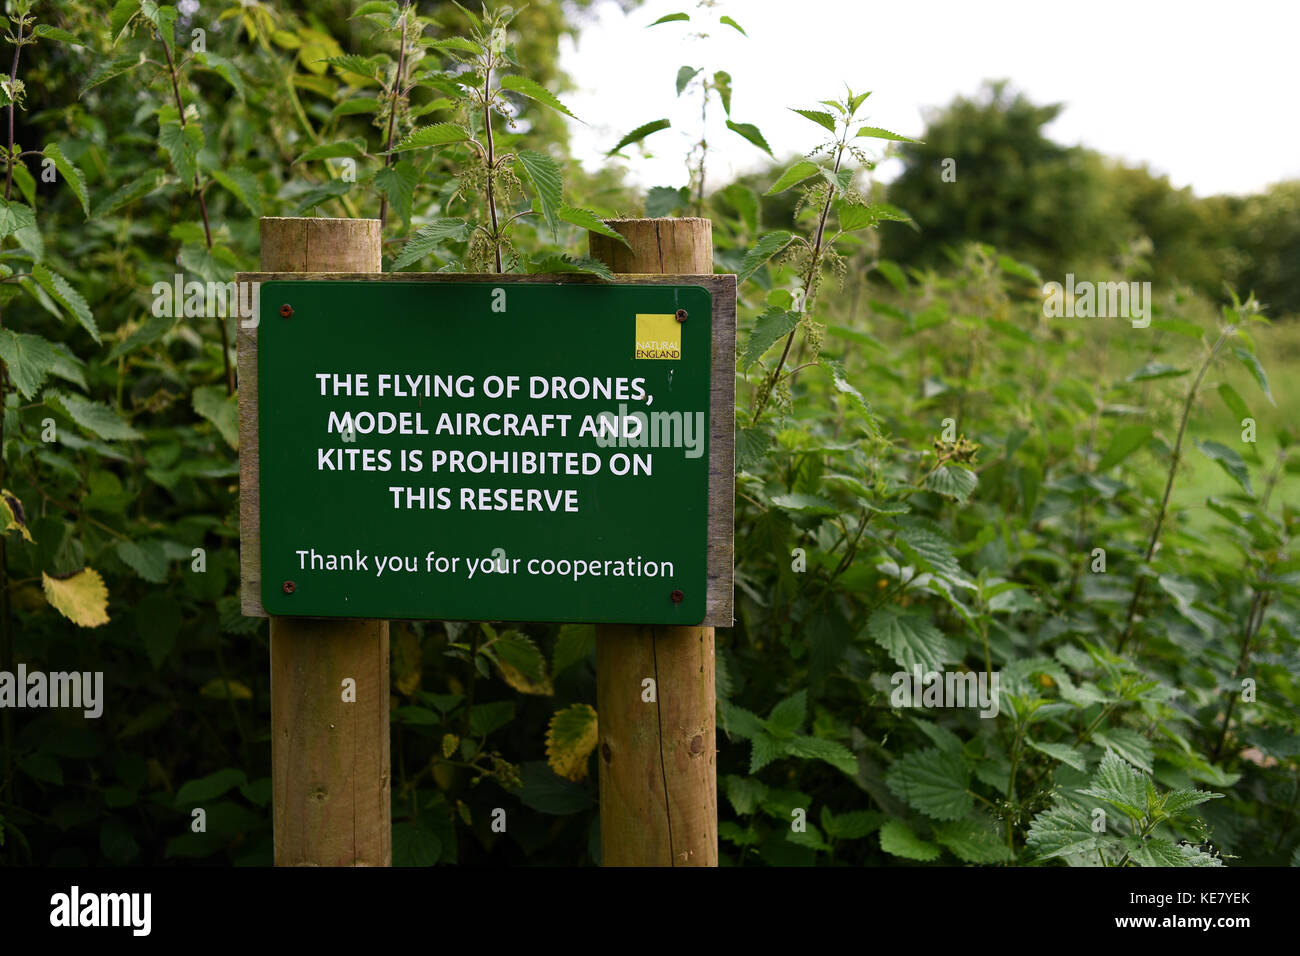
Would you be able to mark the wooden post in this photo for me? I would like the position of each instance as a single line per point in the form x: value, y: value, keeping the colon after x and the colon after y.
x: 658, y: 767
x: 329, y: 754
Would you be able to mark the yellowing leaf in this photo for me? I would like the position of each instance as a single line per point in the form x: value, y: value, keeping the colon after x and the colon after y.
x: 406, y: 659
x: 226, y: 690
x: 521, y: 664
x: 12, y: 516
x: 82, y: 597
x: 449, y: 744
x: 570, y: 739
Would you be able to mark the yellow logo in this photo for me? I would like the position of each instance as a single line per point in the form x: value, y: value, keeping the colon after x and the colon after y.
x: 658, y: 336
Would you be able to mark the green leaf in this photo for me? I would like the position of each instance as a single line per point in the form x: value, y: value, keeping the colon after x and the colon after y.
x: 640, y: 133
x: 829, y: 751
x: 952, y: 481
x: 195, y: 793
x: 1177, y: 802
x: 1128, y: 743
x: 795, y: 174
x: 669, y: 18
x: 768, y: 328
x: 744, y: 793
x: 224, y: 68
x: 124, y: 12
x: 1234, y: 401
x: 1123, y: 443
x: 739, y: 722
x: 1120, y: 785
x: 665, y: 200
x: 586, y: 219
x: 63, y: 293
x: 561, y: 263
x: 684, y: 75
x: 722, y: 83
x: 349, y: 148
x: 109, y: 70
x: 853, y: 825
x: 1064, y: 830
x: 897, y: 839
x: 788, y: 715
x: 1154, y: 370
x: 767, y: 246
x: 727, y: 21
x: 875, y: 132
x: 414, y: 844
x: 910, y: 640
x: 182, y: 145
x: 212, y: 402
x: 397, y: 183
x: 1062, y: 752
x: 241, y: 184
x: 71, y: 174
x: 545, y: 175
x: 95, y: 417
x: 534, y: 91
x: 484, y: 718
x: 42, y: 30
x: 974, y: 840
x: 1156, y: 851
x: 751, y: 133
x: 14, y: 216
x: 546, y: 792
x: 1229, y: 461
x: 146, y: 558
x: 1251, y: 362
x: 427, y: 238
x: 574, y: 644
x: 934, y: 553
x: 803, y: 503
x: 437, y: 134
x: 820, y: 117
x: 841, y: 384
x: 29, y: 359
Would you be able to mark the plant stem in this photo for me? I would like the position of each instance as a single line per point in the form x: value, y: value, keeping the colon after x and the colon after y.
x: 392, y: 117
x: 491, y: 162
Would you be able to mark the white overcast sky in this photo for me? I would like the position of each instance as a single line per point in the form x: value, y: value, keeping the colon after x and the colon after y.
x: 1205, y: 92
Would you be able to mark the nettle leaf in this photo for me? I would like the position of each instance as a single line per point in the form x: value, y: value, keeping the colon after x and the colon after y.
x: 750, y: 132
x: 671, y: 17
x: 224, y: 68
x: 146, y: 558
x: 588, y: 220
x: 241, y: 184
x: 768, y: 328
x: 534, y: 91
x: 562, y: 262
x: 521, y: 664
x: 1155, y: 370
x: 803, y: 503
x: 71, y: 174
x: 875, y: 132
x: 62, y: 292
x: 727, y: 21
x: 1251, y: 362
x: 397, y: 183
x: 570, y: 739
x: 1062, y: 752
x: 767, y: 246
x: 109, y: 70
x: 684, y: 75
x: 348, y: 148
x: 95, y: 417
x: 897, y: 839
x: 764, y: 748
x: 853, y: 825
x: 1177, y: 802
x: 1064, y: 830
x: 795, y: 174
x: 640, y: 133
x: 1125, y: 442
x: 427, y: 238
x: 81, y: 597
x: 974, y: 840
x: 840, y: 382
x: 1128, y: 743
x: 722, y: 83
x: 212, y: 402
x: 14, y: 216
x: 788, y: 716
x: 544, y: 173
x: 952, y: 481
x: 29, y: 359
x: 182, y: 145
x: 1121, y: 785
x: 1157, y: 851
x: 739, y: 722
x: 1234, y: 401
x: 663, y: 201
x: 932, y: 550
x: 437, y: 134
x: 1229, y: 461
x: 910, y: 639
x: 829, y: 751
x: 820, y: 117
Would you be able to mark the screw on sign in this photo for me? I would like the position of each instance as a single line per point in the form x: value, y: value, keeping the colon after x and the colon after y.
x: 286, y: 311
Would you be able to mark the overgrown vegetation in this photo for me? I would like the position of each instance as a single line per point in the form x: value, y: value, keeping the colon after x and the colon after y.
x: 932, y: 476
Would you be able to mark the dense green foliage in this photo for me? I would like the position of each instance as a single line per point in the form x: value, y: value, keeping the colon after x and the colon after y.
x: 927, y: 468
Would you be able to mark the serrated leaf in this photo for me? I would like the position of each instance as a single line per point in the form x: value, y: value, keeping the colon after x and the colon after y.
x: 1128, y: 743
x: 146, y: 558
x: 663, y: 201
x: 71, y: 174
x: 397, y: 183
x: 197, y: 792
x: 585, y: 219
x: 820, y: 117
x: 570, y: 738
x: 853, y: 825
x: 14, y: 216
x: 772, y: 325
x: 427, y: 238
x: 109, y: 70
x: 1063, y: 830
x: 521, y: 664
x: 1156, y: 370
x: 952, y: 481
x: 788, y: 716
x: 29, y: 359
x: 63, y: 293
x: 910, y: 639
x: 1062, y: 752
x: 671, y: 17
x: 348, y: 148
x: 933, y: 551
x: 767, y: 246
x: 437, y: 134
x: 795, y: 174
x: 875, y: 132
x: 241, y: 184
x: 1251, y: 362
x: 640, y: 133
x: 224, y: 68
x: 974, y: 840
x: 897, y: 839
x: 544, y: 173
x: 1119, y: 784
x: 95, y: 417
x: 743, y: 792
x: 739, y: 722
x: 573, y: 644
x: 534, y: 91
x: 818, y: 748
x: 804, y: 503
x: 81, y: 597
x: 562, y: 262
x: 750, y: 132
x: 934, y: 782
x: 1234, y: 401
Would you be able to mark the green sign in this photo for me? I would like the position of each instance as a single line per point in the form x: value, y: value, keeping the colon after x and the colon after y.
x: 445, y: 450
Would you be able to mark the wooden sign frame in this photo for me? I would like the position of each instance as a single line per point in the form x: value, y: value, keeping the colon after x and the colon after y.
x: 719, y: 610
